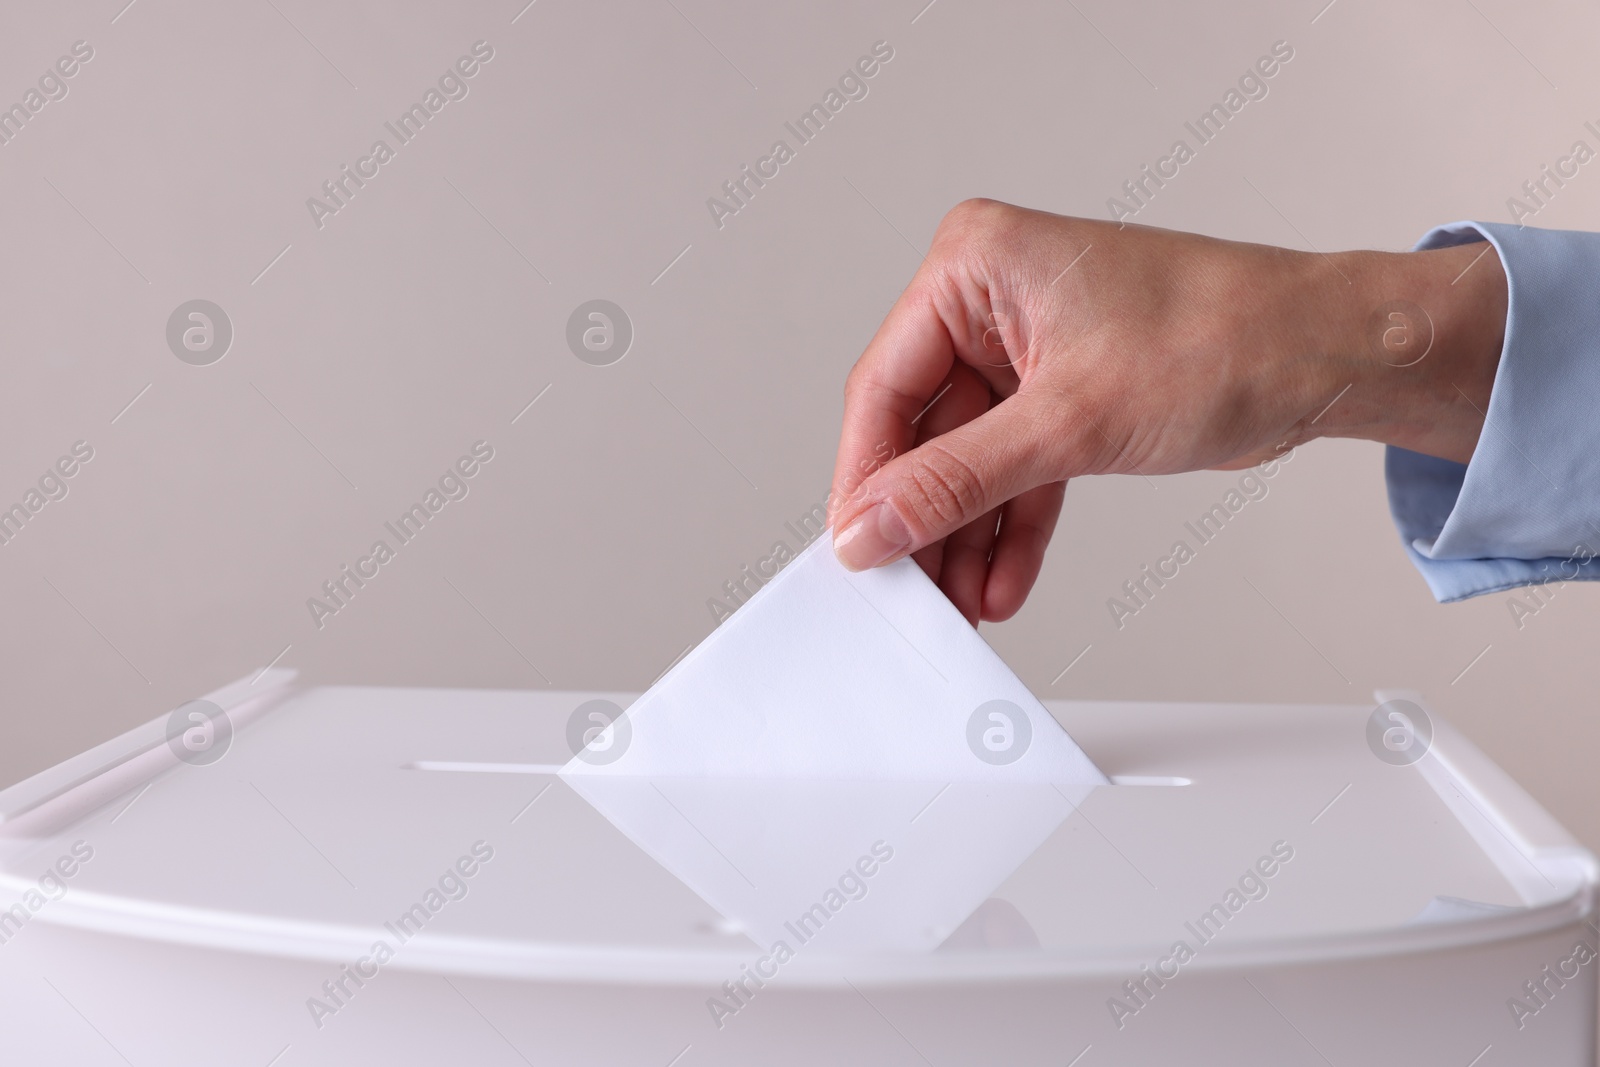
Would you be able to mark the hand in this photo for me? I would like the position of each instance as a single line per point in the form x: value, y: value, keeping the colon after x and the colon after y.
x: 1032, y: 348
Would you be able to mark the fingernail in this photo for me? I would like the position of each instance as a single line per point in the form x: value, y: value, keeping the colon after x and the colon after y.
x: 877, y: 535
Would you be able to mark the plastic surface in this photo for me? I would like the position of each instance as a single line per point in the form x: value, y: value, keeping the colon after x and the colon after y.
x: 319, y: 827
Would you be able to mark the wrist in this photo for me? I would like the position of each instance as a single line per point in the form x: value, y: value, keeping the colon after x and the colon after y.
x: 1422, y: 334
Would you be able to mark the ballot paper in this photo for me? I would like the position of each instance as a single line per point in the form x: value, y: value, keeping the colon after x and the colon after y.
x: 826, y: 673
x: 844, y: 762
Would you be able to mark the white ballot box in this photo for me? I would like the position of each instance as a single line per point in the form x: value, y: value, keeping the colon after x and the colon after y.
x: 290, y: 875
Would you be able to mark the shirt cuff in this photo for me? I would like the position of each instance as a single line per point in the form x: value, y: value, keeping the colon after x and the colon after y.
x: 1526, y: 508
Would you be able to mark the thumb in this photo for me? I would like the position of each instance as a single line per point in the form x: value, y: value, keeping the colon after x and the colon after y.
x: 942, y: 485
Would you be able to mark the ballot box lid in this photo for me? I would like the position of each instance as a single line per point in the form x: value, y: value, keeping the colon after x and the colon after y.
x: 435, y: 822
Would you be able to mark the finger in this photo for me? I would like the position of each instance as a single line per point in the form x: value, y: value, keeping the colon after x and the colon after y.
x: 963, y: 397
x: 965, y: 566
x: 901, y: 371
x: 943, y: 484
x: 1026, y: 525
x: 959, y: 563
x: 931, y: 560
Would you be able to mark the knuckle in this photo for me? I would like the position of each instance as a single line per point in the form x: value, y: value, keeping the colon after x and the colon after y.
x: 964, y: 224
x: 864, y: 390
x: 977, y: 239
x: 1033, y: 537
x: 981, y: 216
x: 943, y: 489
x: 974, y: 210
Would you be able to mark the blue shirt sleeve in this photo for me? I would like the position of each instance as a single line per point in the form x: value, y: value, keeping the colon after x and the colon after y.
x: 1526, y: 508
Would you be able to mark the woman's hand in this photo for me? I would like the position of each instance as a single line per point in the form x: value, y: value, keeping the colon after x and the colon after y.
x: 1032, y: 348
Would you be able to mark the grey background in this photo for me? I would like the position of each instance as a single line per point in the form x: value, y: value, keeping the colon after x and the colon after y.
x: 428, y: 313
